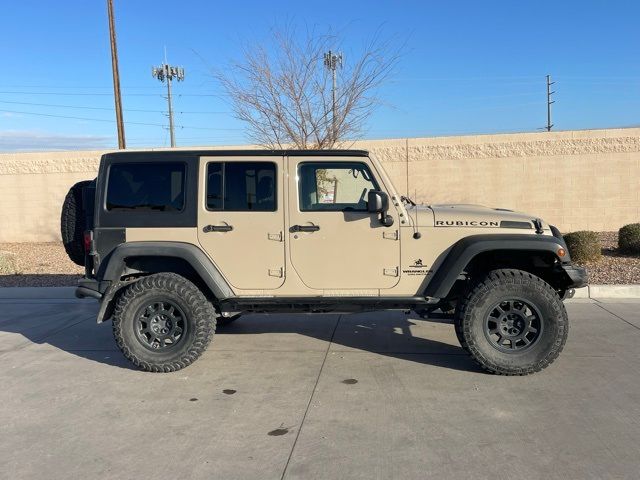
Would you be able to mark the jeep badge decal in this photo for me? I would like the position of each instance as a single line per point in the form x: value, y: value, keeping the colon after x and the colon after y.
x: 417, y: 268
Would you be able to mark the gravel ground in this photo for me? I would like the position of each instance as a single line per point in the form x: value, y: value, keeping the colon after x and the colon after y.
x: 41, y: 265
x: 52, y: 267
x: 614, y: 267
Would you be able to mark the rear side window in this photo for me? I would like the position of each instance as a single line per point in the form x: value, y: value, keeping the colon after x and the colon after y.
x: 241, y: 186
x: 146, y: 186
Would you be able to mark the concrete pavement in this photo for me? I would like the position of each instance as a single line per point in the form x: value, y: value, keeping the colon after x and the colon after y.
x: 382, y: 395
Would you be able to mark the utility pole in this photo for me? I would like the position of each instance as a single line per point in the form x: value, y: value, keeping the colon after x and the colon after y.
x: 168, y: 73
x: 116, y: 76
x: 332, y: 61
x: 549, y: 102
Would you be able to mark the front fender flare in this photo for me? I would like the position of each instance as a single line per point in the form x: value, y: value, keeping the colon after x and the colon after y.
x: 465, y: 249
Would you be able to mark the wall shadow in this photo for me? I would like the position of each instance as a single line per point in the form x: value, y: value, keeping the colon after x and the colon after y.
x: 39, y: 280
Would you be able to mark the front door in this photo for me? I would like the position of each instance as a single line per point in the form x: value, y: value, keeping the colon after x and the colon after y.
x: 241, y: 219
x: 334, y: 242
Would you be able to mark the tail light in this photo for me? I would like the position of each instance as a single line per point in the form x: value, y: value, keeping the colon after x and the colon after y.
x: 88, y: 241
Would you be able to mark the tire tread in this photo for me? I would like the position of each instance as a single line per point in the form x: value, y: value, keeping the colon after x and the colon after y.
x: 204, y: 319
x: 495, y: 279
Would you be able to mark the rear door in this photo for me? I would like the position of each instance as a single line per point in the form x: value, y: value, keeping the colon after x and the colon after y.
x: 241, y: 219
x: 334, y: 242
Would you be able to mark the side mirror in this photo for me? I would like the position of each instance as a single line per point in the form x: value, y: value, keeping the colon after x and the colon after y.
x: 378, y: 202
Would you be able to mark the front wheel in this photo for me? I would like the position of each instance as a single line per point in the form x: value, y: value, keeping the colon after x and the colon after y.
x: 163, y: 322
x: 512, y: 323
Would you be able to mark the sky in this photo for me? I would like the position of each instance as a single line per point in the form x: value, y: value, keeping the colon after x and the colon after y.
x: 468, y: 67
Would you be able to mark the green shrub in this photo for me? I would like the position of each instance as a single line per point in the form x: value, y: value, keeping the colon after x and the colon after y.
x: 584, y: 246
x: 629, y: 239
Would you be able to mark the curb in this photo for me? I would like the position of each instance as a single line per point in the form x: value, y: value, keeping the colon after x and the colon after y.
x: 608, y: 291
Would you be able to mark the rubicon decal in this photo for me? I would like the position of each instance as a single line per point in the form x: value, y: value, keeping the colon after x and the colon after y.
x: 466, y: 223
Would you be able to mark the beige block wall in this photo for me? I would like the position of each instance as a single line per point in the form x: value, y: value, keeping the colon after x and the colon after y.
x: 574, y: 179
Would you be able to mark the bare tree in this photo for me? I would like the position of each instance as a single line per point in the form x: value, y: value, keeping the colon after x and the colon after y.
x: 284, y: 92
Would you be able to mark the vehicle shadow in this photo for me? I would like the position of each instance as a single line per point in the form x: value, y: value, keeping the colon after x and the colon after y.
x: 390, y: 333
x: 71, y: 327
x: 64, y: 324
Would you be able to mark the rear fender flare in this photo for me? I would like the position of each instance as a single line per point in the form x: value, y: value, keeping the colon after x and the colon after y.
x: 113, y: 267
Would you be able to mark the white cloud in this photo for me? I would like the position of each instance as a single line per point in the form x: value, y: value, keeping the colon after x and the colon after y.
x: 26, y: 140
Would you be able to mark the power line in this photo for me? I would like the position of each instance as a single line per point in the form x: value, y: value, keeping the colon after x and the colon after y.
x: 79, y: 118
x: 84, y: 107
x: 113, y: 121
x: 85, y: 94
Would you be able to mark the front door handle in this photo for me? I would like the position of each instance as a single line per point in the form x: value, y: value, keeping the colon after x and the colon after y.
x: 304, y: 228
x: 217, y: 228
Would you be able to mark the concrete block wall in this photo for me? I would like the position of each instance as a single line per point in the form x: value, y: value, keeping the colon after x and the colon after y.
x: 577, y: 180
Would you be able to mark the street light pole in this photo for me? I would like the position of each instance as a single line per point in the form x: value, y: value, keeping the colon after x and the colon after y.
x: 168, y: 73
x: 332, y: 61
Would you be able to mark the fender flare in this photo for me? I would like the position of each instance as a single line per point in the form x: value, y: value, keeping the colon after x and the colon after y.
x: 113, y: 266
x: 467, y: 248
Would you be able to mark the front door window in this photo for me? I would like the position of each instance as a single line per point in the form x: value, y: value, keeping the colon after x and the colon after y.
x: 332, y: 186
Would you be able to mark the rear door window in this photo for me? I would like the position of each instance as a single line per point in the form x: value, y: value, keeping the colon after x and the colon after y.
x: 241, y: 186
x: 155, y: 186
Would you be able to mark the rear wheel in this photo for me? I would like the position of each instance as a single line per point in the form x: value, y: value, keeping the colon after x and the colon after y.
x: 512, y: 323
x: 72, y: 223
x: 163, y: 322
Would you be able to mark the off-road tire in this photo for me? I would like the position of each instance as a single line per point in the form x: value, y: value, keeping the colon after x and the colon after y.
x: 457, y: 325
x: 199, y: 316
x: 503, y: 285
x: 72, y: 223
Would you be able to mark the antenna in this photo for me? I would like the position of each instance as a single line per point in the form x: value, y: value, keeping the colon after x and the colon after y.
x: 406, y: 149
x: 416, y: 233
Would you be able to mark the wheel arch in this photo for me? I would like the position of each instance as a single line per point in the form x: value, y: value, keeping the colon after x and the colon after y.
x: 482, y: 253
x: 133, y: 260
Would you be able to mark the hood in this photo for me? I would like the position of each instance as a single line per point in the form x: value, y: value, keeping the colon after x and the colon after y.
x: 478, y: 216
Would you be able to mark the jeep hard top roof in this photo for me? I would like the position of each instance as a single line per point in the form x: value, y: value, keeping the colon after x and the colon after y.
x: 159, y: 153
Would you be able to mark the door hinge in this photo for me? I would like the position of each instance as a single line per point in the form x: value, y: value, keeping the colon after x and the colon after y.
x: 391, y: 272
x: 279, y: 272
x: 390, y: 235
x: 277, y: 237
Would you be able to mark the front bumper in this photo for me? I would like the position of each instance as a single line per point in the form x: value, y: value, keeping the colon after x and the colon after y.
x: 577, y: 276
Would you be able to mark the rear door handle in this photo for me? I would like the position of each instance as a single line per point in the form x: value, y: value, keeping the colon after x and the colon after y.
x: 305, y: 228
x: 217, y: 228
